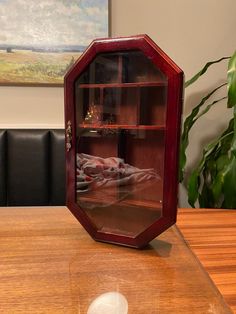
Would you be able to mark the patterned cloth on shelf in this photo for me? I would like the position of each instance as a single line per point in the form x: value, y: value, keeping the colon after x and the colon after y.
x: 95, y: 172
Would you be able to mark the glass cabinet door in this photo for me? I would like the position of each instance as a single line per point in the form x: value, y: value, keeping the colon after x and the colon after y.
x: 120, y: 108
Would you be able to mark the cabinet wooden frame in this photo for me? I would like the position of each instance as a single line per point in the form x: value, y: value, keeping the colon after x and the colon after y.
x: 167, y: 123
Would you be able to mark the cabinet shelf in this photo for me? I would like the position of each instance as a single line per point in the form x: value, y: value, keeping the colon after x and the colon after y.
x: 122, y: 126
x: 123, y: 85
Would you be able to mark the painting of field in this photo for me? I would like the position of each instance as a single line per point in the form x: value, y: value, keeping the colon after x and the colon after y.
x: 40, y: 41
x: 28, y: 67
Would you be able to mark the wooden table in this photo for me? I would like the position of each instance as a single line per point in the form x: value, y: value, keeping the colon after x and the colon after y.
x: 49, y: 264
x: 211, y: 235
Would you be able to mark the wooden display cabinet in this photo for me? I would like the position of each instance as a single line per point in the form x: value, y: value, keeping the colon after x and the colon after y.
x: 123, y: 100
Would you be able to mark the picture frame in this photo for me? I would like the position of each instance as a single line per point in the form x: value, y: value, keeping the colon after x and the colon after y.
x: 40, y: 41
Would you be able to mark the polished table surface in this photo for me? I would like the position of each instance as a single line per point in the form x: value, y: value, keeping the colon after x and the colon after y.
x: 49, y: 264
x: 211, y: 234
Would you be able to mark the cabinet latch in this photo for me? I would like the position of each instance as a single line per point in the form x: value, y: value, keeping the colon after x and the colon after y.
x: 68, y: 136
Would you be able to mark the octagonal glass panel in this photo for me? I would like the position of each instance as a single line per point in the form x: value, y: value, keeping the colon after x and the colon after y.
x: 121, y: 101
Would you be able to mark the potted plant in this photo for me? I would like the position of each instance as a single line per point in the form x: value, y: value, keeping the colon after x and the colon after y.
x: 212, y: 183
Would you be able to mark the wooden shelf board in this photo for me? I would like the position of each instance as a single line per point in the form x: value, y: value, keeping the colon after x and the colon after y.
x: 122, y: 126
x: 123, y: 85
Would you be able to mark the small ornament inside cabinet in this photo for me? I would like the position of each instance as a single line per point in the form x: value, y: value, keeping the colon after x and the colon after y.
x: 123, y: 101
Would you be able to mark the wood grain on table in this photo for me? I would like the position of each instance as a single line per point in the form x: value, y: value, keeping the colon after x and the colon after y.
x: 49, y: 264
x: 211, y: 234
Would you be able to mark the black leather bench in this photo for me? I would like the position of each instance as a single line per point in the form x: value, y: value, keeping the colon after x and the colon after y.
x: 32, y: 167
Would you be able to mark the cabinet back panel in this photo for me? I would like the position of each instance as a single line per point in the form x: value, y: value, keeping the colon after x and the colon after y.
x: 153, y: 105
x: 138, y: 68
x: 98, y: 146
x: 152, y: 144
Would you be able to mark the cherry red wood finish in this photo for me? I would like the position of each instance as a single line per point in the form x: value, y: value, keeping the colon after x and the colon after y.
x: 165, y: 146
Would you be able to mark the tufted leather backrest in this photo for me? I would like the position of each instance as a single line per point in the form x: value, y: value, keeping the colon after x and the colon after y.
x: 3, y: 191
x: 32, y: 167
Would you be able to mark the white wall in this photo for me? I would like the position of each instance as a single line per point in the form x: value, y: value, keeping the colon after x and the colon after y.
x: 31, y: 107
x: 191, y: 32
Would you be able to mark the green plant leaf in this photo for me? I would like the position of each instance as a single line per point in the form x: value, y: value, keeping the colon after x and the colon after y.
x: 217, y: 187
x: 202, y: 71
x: 194, y: 181
x: 233, y: 144
x: 204, y: 196
x: 205, y: 167
x: 193, y: 187
x: 213, y: 181
x: 229, y: 188
x: 209, y: 107
x: 231, y: 76
x: 188, y: 124
x: 221, y: 161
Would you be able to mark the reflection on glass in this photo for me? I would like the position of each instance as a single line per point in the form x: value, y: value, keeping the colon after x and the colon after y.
x: 93, y: 115
x: 120, y: 115
x: 107, y: 174
x: 121, y: 188
x: 164, y: 278
x: 95, y: 172
x: 109, y: 303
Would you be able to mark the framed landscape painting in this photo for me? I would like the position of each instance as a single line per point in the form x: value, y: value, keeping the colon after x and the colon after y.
x: 40, y: 40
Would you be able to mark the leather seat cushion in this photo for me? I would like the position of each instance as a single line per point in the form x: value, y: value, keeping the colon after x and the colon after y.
x: 28, y: 167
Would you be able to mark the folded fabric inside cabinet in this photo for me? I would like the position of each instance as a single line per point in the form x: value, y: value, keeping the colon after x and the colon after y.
x: 102, y: 182
x: 94, y: 172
